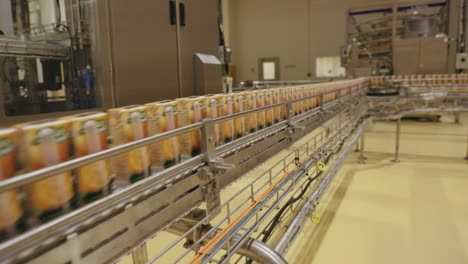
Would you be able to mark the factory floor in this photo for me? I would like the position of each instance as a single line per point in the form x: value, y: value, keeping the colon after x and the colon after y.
x: 415, y: 211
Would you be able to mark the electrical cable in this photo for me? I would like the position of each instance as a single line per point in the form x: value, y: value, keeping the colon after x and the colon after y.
x: 292, y: 200
x: 277, y: 218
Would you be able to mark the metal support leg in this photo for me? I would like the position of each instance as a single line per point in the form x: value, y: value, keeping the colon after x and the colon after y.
x: 362, y: 159
x: 397, y: 142
x: 466, y: 157
x: 457, y: 118
x: 140, y: 255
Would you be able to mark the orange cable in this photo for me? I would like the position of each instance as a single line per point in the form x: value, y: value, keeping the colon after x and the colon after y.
x: 200, y: 255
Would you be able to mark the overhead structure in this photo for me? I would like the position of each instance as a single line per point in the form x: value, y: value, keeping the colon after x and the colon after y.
x: 414, y: 37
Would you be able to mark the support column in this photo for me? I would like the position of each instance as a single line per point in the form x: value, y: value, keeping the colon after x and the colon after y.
x: 466, y: 157
x: 397, y: 141
x: 457, y: 118
x: 394, y: 20
x: 356, y: 147
x: 140, y: 255
x: 362, y: 159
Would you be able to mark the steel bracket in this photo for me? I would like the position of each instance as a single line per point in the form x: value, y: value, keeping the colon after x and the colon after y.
x: 211, y: 193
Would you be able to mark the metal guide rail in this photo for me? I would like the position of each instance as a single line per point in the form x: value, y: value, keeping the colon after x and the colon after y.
x: 16, y: 47
x: 114, y: 225
x: 309, y: 207
x: 428, y: 97
x: 424, y: 97
x: 261, y: 196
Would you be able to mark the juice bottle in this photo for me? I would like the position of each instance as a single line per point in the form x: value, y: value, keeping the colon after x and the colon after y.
x: 166, y: 114
x: 12, y: 216
x: 285, y: 97
x: 276, y: 100
x: 260, y: 103
x: 192, y: 111
x: 252, y: 104
x: 89, y: 135
x: 213, y: 110
x: 129, y: 124
x: 269, y: 102
x: 227, y: 102
x: 239, y: 107
x: 44, y: 144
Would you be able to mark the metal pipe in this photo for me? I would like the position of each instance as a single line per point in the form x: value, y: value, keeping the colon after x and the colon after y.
x: 252, y: 248
x: 297, y: 223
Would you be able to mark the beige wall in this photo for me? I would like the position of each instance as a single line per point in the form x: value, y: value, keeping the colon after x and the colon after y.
x: 297, y: 31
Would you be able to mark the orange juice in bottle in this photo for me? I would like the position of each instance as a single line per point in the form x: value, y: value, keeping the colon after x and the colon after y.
x: 293, y: 97
x: 284, y: 93
x: 268, y: 102
x: 213, y: 110
x: 300, y: 96
x: 227, y: 102
x: 276, y: 98
x: 192, y: 111
x: 43, y: 144
x: 12, y: 216
x: 253, y: 117
x: 240, y: 106
x: 166, y: 153
x: 286, y: 97
x: 309, y: 93
x: 129, y: 124
x: 260, y: 103
x: 315, y: 99
x: 89, y: 135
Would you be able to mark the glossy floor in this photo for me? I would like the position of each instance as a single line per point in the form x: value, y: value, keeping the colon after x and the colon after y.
x: 415, y: 211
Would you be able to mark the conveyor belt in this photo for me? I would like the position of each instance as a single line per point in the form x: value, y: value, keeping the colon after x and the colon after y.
x: 120, y: 223
x: 114, y: 225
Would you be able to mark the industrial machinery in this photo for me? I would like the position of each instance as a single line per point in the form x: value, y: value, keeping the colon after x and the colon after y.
x: 396, y: 97
x: 46, y: 56
x: 63, y: 57
x: 414, y: 37
x: 189, y: 213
